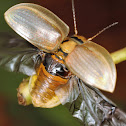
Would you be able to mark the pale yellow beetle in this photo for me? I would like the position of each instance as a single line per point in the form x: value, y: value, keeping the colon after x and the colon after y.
x: 65, y: 60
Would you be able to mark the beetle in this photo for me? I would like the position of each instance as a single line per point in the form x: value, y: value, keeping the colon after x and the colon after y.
x: 62, y: 59
x: 61, y: 69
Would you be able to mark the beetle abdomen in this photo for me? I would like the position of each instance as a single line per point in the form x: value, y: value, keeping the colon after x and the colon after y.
x: 43, y: 88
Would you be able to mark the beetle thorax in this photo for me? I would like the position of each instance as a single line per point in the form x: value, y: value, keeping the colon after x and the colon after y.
x: 68, y: 45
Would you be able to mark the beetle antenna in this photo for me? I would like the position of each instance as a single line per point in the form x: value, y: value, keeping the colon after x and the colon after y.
x: 74, y: 18
x: 102, y: 30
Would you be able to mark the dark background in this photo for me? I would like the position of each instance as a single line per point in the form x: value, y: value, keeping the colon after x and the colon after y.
x: 92, y: 16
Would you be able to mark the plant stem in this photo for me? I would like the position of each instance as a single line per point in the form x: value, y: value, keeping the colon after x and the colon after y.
x: 119, y: 56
